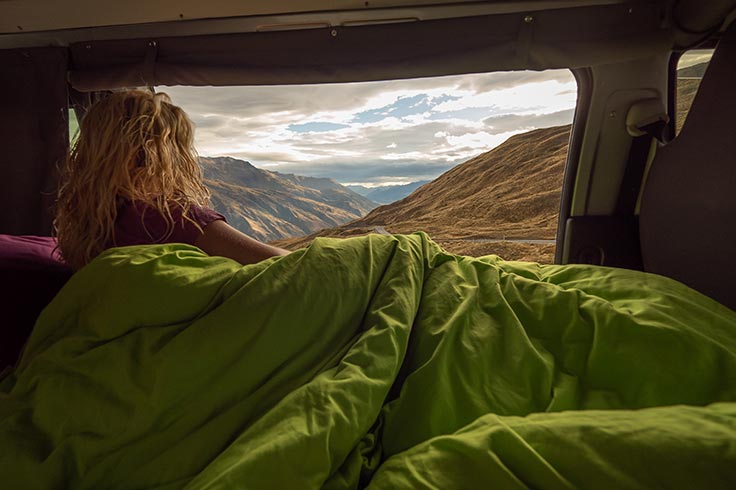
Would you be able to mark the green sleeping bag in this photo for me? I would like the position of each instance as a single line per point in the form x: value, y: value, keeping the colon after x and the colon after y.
x: 380, y: 362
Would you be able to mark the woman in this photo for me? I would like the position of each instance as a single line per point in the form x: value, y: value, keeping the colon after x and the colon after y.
x: 132, y: 178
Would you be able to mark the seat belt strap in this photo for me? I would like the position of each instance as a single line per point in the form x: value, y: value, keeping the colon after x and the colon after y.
x: 636, y: 165
x: 646, y: 122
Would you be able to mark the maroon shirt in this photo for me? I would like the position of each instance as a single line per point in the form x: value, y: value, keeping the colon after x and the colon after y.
x: 141, y: 224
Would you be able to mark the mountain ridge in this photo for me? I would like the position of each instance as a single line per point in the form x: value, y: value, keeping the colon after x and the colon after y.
x: 269, y: 205
x: 509, y: 192
x: 388, y: 193
x: 487, y: 187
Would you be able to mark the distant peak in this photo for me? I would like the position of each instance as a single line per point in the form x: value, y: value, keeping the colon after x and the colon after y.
x: 226, y: 160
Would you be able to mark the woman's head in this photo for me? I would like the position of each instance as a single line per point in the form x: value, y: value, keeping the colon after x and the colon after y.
x: 132, y: 146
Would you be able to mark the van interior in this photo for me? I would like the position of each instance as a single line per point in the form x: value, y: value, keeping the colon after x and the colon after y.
x: 637, y: 196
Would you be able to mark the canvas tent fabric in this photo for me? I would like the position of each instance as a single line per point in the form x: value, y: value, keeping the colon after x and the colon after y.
x: 530, y: 40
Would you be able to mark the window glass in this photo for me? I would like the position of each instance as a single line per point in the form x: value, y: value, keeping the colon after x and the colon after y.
x: 476, y: 161
x: 73, y: 125
x: 690, y: 70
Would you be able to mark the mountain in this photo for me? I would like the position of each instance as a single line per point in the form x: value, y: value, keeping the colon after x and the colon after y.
x: 694, y: 71
x: 332, y: 193
x: 688, y: 82
x: 360, y: 189
x: 390, y: 193
x: 386, y: 194
x: 686, y: 90
x: 512, y: 191
x: 271, y: 206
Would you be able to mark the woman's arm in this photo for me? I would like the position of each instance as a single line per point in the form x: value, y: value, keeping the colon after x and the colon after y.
x: 221, y: 239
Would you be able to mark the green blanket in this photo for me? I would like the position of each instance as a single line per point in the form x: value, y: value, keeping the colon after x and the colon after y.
x: 379, y: 362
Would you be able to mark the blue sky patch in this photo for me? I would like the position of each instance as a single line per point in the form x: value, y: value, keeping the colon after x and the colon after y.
x: 367, y: 117
x: 403, y: 107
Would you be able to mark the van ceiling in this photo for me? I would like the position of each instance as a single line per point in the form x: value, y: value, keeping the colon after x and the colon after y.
x: 47, y: 15
x: 144, y: 42
x: 19, y: 16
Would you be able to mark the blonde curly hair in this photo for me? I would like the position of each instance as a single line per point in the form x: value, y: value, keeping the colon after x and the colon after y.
x: 132, y: 145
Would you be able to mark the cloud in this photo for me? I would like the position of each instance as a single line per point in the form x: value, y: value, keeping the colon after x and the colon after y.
x: 478, y: 142
x: 316, y: 127
x: 694, y: 57
x: 375, y: 131
x: 512, y: 122
x: 546, y: 96
x: 508, y: 79
x: 369, y: 171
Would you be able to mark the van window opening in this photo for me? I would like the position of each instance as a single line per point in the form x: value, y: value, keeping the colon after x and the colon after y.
x: 476, y: 161
x: 73, y: 125
x: 690, y: 70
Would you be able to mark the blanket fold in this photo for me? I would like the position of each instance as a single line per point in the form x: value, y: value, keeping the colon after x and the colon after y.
x: 379, y: 361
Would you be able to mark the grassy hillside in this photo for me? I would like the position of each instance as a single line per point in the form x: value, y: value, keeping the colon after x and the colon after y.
x: 512, y: 191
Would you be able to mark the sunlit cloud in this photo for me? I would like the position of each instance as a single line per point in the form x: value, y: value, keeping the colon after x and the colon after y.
x: 375, y: 132
x: 547, y: 96
x: 480, y: 141
x: 694, y: 57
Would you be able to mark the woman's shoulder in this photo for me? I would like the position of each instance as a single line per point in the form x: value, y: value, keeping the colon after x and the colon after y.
x: 140, y: 223
x: 202, y: 215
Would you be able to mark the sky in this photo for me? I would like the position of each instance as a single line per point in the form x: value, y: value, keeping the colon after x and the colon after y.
x: 375, y: 133
x: 694, y: 57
